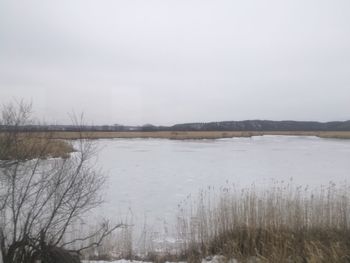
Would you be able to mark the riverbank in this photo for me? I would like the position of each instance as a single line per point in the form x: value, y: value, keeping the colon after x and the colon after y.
x: 54, y: 144
x: 29, y: 147
x: 193, y: 135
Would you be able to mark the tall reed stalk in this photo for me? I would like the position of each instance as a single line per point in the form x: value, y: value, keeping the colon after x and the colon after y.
x: 280, y: 223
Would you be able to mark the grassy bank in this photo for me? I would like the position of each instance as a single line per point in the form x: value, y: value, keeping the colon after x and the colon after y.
x: 53, y: 144
x: 188, y: 135
x: 280, y: 224
x: 29, y: 147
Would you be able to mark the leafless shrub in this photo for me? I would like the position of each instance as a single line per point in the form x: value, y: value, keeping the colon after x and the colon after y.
x: 41, y: 199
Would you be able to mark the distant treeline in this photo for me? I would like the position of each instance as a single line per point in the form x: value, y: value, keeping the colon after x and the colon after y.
x: 264, y: 125
x: 249, y: 125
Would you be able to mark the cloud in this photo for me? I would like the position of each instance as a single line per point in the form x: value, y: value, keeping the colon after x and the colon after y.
x: 164, y: 62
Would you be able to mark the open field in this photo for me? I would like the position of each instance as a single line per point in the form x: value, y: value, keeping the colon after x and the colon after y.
x: 189, y: 135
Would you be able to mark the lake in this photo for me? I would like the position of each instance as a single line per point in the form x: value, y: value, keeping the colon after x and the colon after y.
x: 148, y: 178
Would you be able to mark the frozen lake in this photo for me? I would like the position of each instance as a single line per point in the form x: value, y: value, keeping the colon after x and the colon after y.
x: 148, y: 178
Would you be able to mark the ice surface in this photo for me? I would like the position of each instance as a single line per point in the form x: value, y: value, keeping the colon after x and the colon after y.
x: 148, y: 178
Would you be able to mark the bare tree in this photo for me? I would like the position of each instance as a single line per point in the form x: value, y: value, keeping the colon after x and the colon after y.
x: 41, y: 198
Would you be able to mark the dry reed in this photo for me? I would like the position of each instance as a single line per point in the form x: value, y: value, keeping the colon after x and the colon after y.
x: 283, y: 223
x: 26, y: 148
x: 188, y: 135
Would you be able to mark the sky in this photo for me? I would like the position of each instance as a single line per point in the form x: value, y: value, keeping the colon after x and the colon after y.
x: 165, y: 62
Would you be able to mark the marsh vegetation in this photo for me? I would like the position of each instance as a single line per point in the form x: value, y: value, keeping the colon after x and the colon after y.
x: 282, y: 223
x: 189, y: 135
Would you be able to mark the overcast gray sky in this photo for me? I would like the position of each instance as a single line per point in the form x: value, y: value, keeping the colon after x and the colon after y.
x: 165, y: 62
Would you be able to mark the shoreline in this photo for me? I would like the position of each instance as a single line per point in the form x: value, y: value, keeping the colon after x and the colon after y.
x: 189, y: 135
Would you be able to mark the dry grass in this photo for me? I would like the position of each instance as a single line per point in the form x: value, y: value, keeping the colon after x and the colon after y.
x: 161, y: 134
x: 335, y: 135
x: 189, y: 135
x: 281, y: 224
x: 28, y: 147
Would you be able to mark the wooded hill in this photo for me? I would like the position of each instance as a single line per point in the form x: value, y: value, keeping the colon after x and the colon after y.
x: 263, y: 125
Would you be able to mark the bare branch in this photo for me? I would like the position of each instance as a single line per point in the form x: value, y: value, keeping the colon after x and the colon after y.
x: 41, y: 199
